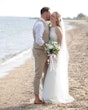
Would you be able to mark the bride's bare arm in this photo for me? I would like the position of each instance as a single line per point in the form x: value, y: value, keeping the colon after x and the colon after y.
x: 59, y: 34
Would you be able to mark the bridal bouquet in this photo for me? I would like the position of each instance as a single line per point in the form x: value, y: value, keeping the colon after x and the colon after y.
x: 52, y: 48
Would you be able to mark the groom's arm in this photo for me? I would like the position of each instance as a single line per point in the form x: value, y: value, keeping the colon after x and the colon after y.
x: 39, y: 30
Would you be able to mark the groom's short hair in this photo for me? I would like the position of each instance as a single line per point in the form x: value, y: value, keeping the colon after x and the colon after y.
x: 44, y: 9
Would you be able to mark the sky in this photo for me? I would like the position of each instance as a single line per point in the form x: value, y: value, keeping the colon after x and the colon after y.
x: 31, y: 8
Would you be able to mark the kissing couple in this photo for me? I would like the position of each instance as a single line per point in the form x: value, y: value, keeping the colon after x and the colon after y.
x: 54, y: 81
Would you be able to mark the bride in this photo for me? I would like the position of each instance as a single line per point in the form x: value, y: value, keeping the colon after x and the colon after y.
x: 56, y: 87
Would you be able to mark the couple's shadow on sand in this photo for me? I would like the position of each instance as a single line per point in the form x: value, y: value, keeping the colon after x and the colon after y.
x: 26, y: 107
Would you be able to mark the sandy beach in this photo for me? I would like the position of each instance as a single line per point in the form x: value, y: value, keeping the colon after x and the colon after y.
x: 16, y: 89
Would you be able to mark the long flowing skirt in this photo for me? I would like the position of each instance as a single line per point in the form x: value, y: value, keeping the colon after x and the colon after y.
x: 56, y: 86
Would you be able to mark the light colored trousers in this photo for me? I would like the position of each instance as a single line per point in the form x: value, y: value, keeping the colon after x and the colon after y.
x: 41, y: 66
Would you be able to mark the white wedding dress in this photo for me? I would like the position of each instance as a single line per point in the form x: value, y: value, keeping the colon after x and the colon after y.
x: 56, y: 87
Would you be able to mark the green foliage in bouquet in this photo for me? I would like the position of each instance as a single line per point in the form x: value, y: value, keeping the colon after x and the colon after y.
x: 52, y: 47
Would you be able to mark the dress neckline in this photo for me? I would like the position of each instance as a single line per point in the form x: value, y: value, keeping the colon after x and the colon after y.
x: 54, y: 27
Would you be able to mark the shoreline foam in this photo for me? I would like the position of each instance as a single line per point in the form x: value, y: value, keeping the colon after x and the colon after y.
x: 14, y: 62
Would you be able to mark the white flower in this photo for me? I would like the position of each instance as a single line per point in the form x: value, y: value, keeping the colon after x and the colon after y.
x: 52, y: 47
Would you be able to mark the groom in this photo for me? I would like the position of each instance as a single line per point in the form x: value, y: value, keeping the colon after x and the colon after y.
x: 41, y: 35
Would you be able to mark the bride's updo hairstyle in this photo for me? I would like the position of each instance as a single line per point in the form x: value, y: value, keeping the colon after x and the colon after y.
x: 58, y: 23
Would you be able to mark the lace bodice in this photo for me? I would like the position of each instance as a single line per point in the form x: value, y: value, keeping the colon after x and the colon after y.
x: 53, y: 35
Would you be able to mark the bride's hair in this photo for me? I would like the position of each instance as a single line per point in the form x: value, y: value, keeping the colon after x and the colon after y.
x: 58, y: 23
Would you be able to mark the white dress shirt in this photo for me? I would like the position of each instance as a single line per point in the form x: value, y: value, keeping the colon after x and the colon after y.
x: 39, y: 29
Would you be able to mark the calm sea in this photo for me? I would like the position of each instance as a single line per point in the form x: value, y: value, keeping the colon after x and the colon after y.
x: 15, y: 35
x: 16, y: 41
